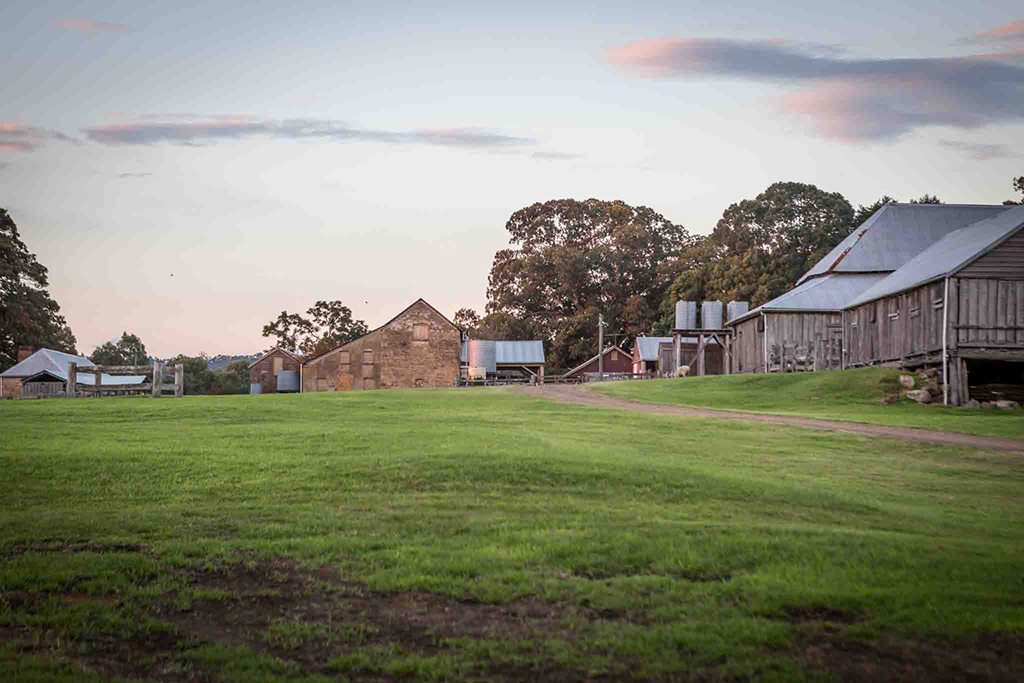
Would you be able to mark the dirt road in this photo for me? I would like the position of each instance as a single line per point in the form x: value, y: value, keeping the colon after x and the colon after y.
x: 582, y: 395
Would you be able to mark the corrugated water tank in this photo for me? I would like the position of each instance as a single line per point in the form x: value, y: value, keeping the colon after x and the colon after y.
x: 711, y: 315
x: 483, y: 354
x: 255, y: 388
x: 735, y: 309
x: 287, y: 381
x: 686, y: 315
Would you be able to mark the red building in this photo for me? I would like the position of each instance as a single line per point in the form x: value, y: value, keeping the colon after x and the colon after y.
x: 615, y: 361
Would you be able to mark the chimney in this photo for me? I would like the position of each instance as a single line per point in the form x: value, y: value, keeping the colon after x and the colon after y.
x: 24, y: 352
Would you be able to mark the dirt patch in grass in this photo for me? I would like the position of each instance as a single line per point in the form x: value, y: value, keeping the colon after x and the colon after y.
x: 65, y: 545
x: 820, y: 613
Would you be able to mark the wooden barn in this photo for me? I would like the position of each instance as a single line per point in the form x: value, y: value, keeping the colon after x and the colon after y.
x: 419, y: 347
x: 959, y: 304
x: 656, y: 355
x: 804, y: 327
x: 44, y: 373
x: 616, y: 361
x: 278, y: 370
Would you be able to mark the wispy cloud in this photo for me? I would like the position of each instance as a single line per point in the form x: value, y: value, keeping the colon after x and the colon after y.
x: 1012, y: 32
x: 977, y: 150
x: 555, y: 156
x: 18, y: 137
x: 849, y: 99
x: 134, y: 175
x: 93, y: 26
x: 210, y: 129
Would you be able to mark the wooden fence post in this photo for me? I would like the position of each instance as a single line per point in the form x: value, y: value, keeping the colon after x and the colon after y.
x: 157, y: 378
x: 99, y: 382
x: 179, y: 380
x: 72, y: 379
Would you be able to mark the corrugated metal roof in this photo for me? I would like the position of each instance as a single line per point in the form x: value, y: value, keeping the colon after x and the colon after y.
x: 521, y: 352
x: 897, y: 233
x: 56, y: 364
x: 828, y: 293
x: 649, y: 345
x: 948, y: 255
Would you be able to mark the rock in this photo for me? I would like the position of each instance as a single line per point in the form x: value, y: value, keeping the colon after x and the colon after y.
x: 928, y: 373
x: 907, y: 381
x: 890, y: 398
x: 973, y: 403
x: 987, y: 405
x: 919, y: 395
x: 1008, y: 405
x: 932, y: 387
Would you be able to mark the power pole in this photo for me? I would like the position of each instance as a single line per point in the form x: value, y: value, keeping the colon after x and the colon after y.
x: 600, y: 347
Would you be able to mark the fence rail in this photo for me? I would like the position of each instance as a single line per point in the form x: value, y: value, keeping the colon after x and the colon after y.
x: 155, y: 387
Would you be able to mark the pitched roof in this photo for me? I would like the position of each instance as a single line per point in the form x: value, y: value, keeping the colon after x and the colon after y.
x: 897, y: 233
x: 90, y: 378
x: 46, y: 360
x: 520, y: 352
x: 831, y: 293
x: 588, y: 362
x: 948, y: 255
x: 271, y: 351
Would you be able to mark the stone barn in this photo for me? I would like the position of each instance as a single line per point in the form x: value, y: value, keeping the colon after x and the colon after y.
x: 958, y: 305
x: 419, y: 347
x: 267, y: 371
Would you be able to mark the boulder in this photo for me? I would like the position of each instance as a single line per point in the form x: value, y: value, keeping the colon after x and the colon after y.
x: 1008, y: 405
x: 987, y: 405
x: 928, y: 373
x: 907, y: 381
x: 933, y: 387
x: 973, y: 403
x: 919, y: 395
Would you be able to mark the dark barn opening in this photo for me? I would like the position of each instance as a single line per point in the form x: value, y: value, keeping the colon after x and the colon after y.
x: 996, y: 380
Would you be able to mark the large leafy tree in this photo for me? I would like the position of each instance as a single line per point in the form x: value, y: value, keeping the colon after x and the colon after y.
x: 329, y: 324
x: 571, y: 260
x: 128, y: 350
x: 1018, y: 186
x: 761, y: 246
x: 28, y: 315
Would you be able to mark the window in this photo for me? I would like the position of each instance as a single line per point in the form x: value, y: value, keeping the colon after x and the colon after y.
x: 368, y: 356
x: 615, y: 355
x: 420, y: 331
x: 278, y: 364
x: 344, y: 358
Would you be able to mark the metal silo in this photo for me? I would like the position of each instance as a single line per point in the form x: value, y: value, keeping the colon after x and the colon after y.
x: 735, y: 309
x: 711, y: 315
x: 483, y: 354
x: 686, y: 315
x: 287, y: 381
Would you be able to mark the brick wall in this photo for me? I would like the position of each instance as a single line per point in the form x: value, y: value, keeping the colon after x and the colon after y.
x: 11, y: 387
x: 263, y: 371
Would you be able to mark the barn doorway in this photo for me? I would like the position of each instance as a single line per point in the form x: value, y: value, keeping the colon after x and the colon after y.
x: 995, y: 380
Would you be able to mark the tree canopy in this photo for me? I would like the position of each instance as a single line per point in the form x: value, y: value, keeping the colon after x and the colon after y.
x: 28, y: 315
x: 1018, y: 186
x: 329, y: 324
x: 128, y: 350
x: 571, y: 260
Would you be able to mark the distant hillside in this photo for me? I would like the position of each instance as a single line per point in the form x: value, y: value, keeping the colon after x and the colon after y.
x: 220, y: 362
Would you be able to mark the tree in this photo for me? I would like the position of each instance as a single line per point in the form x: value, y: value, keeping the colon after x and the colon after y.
x: 329, y: 324
x: 128, y: 350
x: 573, y: 260
x: 927, y: 199
x: 234, y: 379
x: 1018, y: 186
x: 865, y: 212
x: 199, y: 378
x: 467, y: 320
x: 28, y: 315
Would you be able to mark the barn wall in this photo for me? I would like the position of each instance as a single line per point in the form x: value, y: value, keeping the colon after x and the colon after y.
x: 990, y: 313
x: 1005, y: 262
x: 622, y: 362
x: 263, y: 371
x: 391, y: 356
x: 11, y: 387
x: 714, y: 363
x: 799, y: 329
x: 747, y: 348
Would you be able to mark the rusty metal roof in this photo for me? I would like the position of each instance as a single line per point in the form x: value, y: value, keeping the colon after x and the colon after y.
x: 897, y: 233
x: 947, y: 256
x: 831, y: 293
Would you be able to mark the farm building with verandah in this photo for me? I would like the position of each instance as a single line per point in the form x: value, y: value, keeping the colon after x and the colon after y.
x: 419, y: 347
x: 959, y: 304
x: 45, y: 373
x: 805, y: 323
x: 273, y: 371
x: 656, y: 355
x: 616, y: 361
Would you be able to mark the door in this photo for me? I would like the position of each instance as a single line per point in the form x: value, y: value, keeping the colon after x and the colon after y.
x: 834, y: 353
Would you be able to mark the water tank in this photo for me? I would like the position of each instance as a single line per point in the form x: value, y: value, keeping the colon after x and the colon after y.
x: 735, y: 309
x: 287, y: 381
x: 686, y: 315
x: 483, y: 354
x: 711, y: 315
x: 255, y: 388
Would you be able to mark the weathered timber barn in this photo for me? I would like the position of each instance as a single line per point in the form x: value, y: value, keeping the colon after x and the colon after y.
x: 45, y: 373
x: 276, y: 371
x: 959, y: 303
x: 616, y: 361
x: 419, y: 347
x: 656, y: 355
x: 805, y: 323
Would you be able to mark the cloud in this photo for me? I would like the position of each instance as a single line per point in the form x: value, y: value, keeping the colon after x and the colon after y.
x: 18, y: 137
x: 92, y: 26
x: 855, y: 100
x: 555, y: 156
x: 184, y: 130
x: 978, y: 151
x: 1014, y: 31
x: 134, y: 175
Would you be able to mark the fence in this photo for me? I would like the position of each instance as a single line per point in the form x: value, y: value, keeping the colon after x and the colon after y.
x: 156, y: 386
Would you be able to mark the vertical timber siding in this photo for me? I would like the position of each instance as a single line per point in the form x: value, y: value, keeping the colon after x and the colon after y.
x: 1005, y: 262
x: 747, y: 346
x: 991, y: 313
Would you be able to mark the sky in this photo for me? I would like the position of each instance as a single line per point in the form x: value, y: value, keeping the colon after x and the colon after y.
x: 187, y: 171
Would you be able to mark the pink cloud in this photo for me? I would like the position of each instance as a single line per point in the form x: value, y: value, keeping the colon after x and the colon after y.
x: 92, y: 26
x: 18, y: 137
x: 1012, y: 31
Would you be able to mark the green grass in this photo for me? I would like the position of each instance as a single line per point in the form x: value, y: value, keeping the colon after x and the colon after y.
x: 852, y: 395
x: 487, y: 535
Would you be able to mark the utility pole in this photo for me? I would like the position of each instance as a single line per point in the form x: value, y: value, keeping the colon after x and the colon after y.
x: 600, y: 347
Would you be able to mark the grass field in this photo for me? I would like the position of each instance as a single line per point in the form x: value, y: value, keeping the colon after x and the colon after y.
x: 853, y: 395
x: 487, y: 535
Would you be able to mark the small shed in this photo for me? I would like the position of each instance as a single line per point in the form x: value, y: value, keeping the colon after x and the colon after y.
x: 616, y: 361
x: 656, y: 355
x: 45, y: 373
x: 266, y: 370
